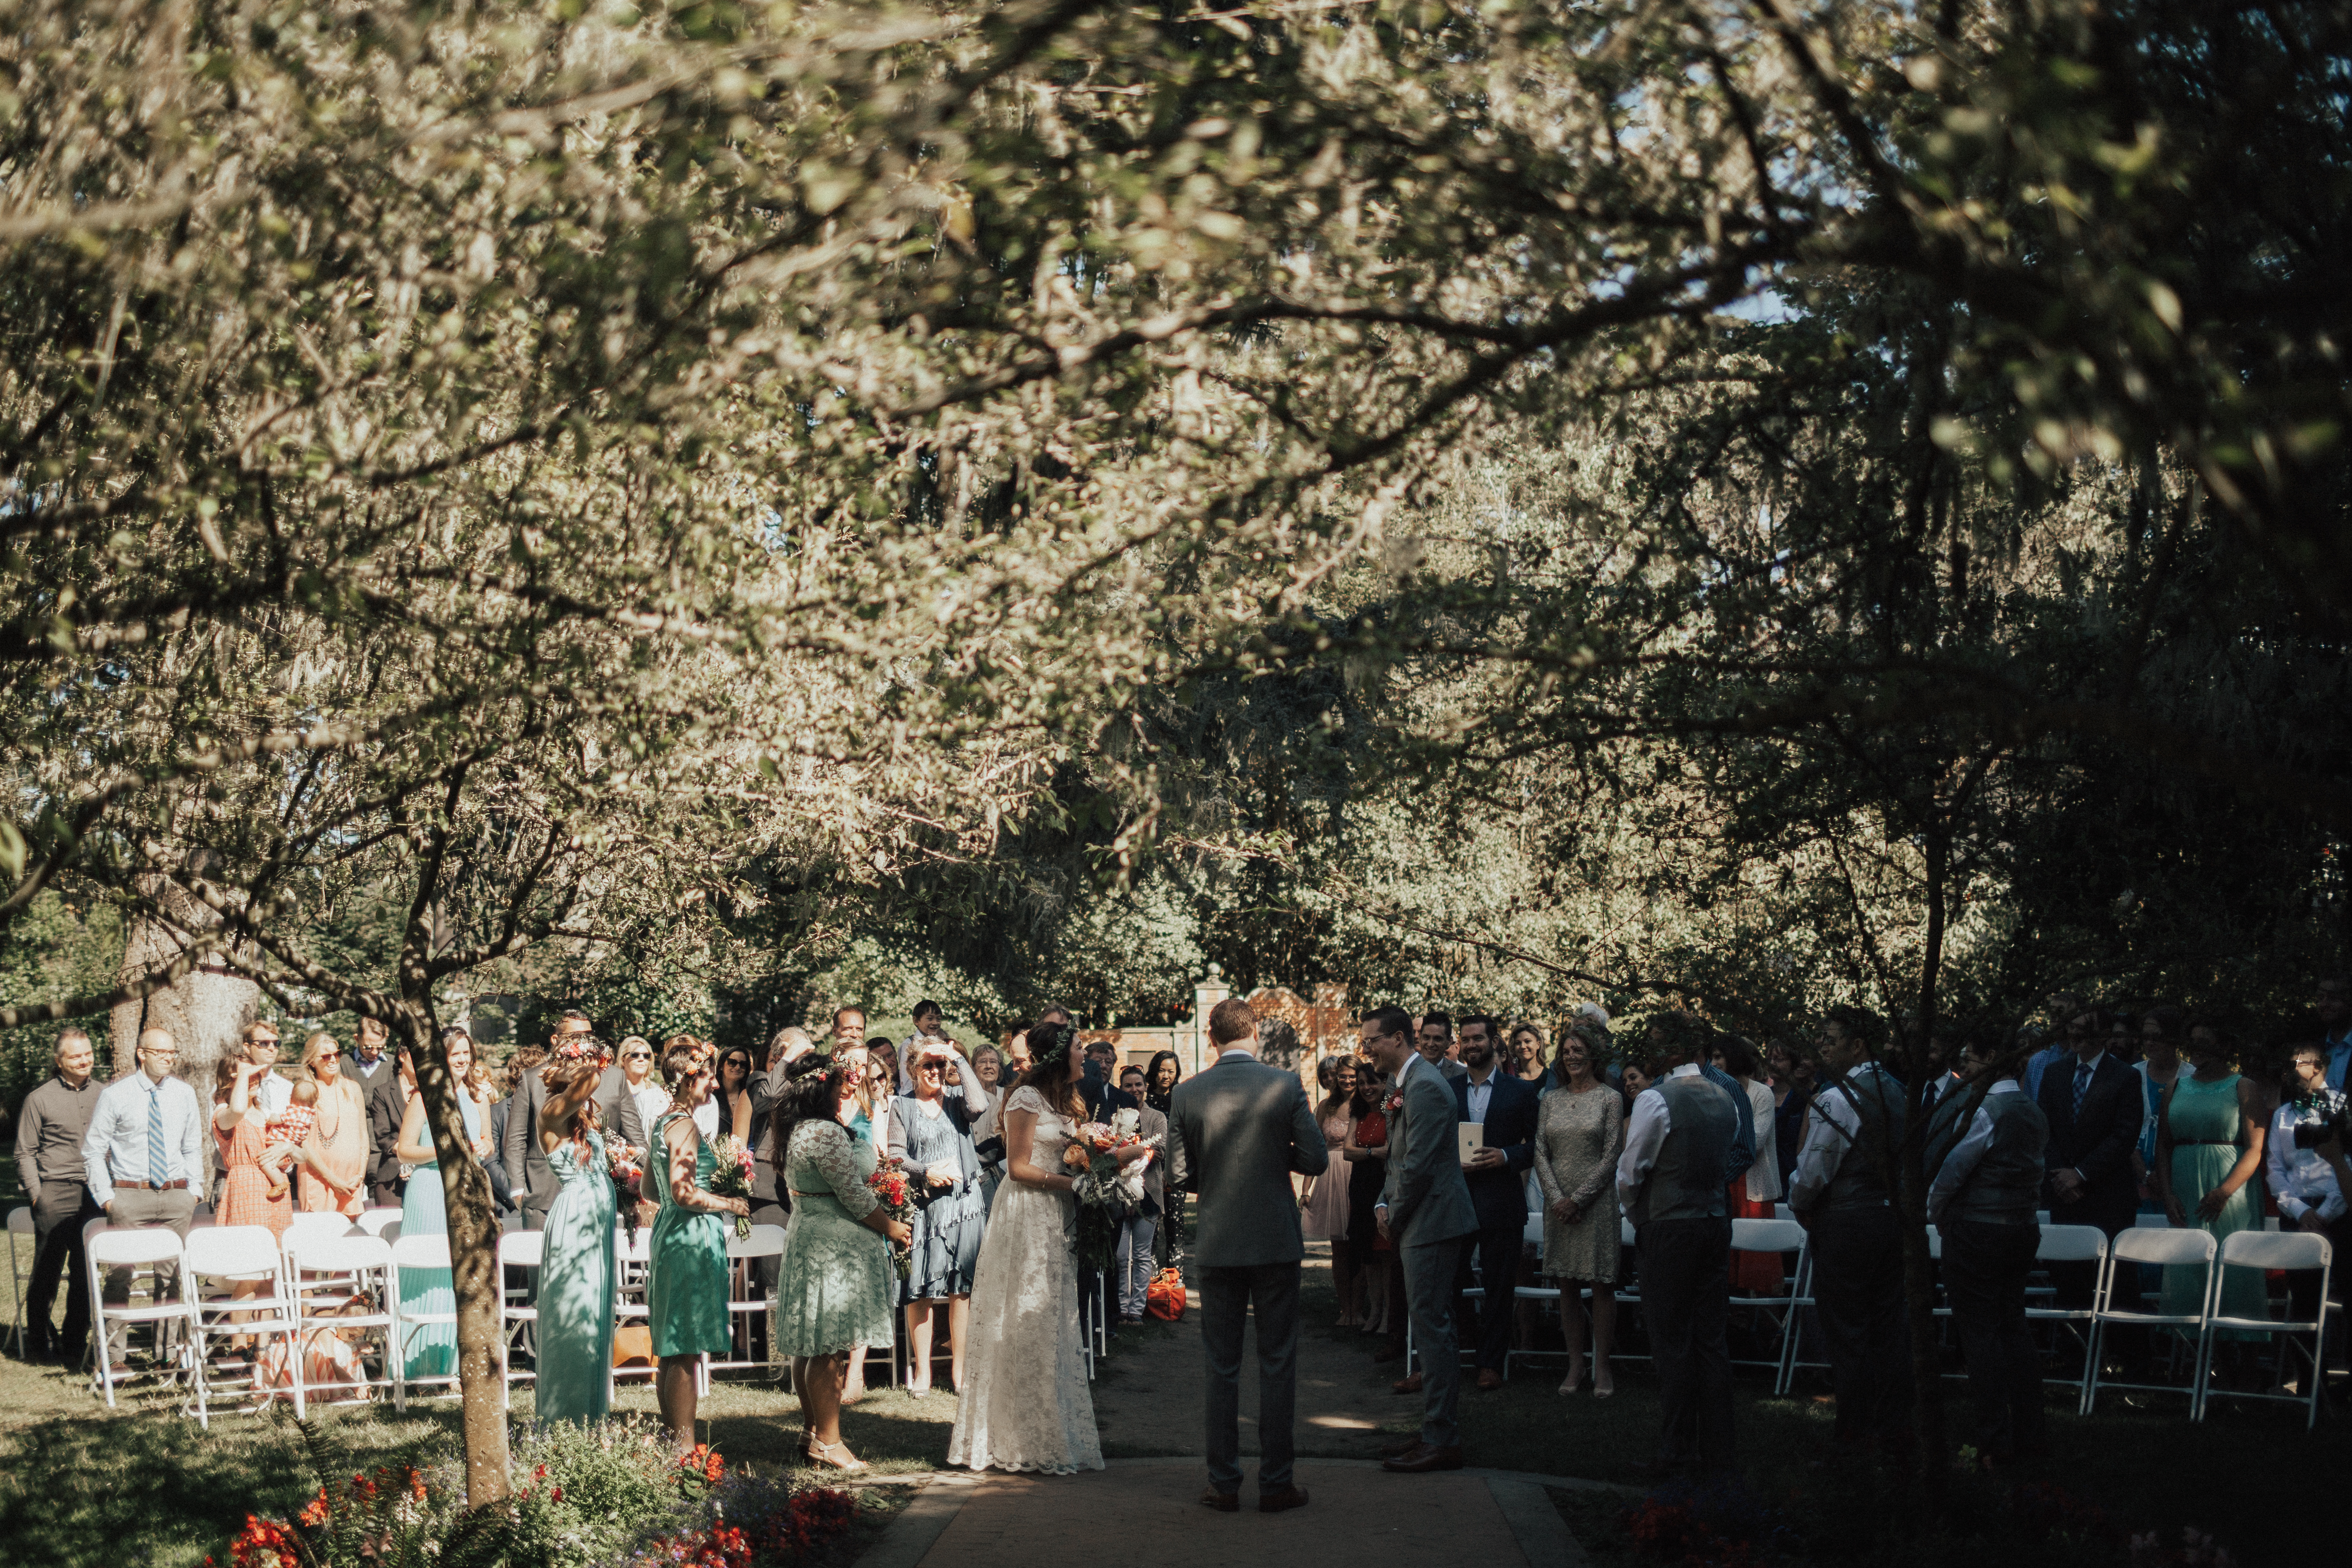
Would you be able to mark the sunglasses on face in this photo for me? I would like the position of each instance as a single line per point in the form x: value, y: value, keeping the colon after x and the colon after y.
x: 638, y: 1057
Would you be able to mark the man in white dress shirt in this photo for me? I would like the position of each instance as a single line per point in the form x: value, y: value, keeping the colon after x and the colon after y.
x: 1680, y: 1138
x: 143, y: 1158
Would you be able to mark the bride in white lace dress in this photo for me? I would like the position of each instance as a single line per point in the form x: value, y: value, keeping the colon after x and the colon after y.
x: 1024, y: 1404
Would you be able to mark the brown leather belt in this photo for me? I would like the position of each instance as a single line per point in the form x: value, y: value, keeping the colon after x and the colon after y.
x: 155, y: 1186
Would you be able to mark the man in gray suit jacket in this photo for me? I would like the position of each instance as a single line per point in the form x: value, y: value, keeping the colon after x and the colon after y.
x: 1425, y: 1209
x: 1243, y: 1127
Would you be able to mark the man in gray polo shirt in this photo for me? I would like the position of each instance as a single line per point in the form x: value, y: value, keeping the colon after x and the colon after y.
x: 51, y: 1127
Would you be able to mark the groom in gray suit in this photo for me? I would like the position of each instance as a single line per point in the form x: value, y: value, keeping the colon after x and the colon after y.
x: 1426, y: 1211
x: 1244, y: 1128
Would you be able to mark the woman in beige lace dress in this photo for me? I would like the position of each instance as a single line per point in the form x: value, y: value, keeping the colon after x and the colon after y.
x: 1580, y: 1132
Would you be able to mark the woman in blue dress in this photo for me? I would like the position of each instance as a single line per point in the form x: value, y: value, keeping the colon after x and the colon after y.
x: 431, y: 1351
x: 576, y: 1270
x: 930, y: 1136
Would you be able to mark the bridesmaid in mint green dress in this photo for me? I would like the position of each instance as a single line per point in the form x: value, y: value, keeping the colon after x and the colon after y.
x: 686, y: 1290
x: 2209, y: 1150
x: 575, y: 1271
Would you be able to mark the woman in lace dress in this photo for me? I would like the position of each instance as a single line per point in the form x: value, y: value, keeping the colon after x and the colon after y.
x: 836, y: 1290
x: 1580, y: 1132
x: 1023, y: 1404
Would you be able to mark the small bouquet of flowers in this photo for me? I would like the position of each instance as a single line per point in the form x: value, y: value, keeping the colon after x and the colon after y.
x: 624, y: 1162
x: 895, y: 1193
x: 1106, y: 1196
x: 1393, y: 1103
x: 732, y: 1179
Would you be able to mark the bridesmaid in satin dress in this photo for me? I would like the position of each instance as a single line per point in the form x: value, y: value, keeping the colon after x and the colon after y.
x: 575, y: 1273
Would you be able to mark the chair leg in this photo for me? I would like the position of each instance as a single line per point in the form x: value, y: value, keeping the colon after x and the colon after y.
x: 2091, y: 1368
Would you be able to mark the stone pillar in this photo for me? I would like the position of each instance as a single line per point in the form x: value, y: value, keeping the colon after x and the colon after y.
x: 1205, y: 996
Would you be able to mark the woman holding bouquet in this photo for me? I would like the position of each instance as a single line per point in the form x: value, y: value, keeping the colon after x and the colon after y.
x: 836, y: 1290
x: 686, y: 1287
x: 576, y: 1270
x: 931, y: 1135
x: 1024, y: 1404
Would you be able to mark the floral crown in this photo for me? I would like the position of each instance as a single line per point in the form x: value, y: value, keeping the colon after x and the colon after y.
x: 1063, y: 1037
x: 578, y: 1048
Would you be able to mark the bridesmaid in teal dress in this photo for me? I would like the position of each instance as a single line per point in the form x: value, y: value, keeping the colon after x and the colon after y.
x: 2209, y: 1149
x: 836, y: 1291
x: 575, y: 1271
x: 686, y: 1290
x: 431, y: 1351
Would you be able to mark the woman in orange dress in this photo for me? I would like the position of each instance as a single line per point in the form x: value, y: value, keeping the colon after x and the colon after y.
x: 237, y: 1123
x: 334, y: 1157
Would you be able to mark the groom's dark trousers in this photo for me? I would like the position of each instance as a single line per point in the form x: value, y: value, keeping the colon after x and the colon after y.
x: 1270, y: 1291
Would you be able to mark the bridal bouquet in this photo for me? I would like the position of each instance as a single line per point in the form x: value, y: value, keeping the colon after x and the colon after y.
x: 1106, y: 1197
x: 732, y: 1179
x: 895, y: 1193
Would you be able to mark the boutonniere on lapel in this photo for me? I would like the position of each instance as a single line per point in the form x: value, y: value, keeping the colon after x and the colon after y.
x: 1393, y: 1103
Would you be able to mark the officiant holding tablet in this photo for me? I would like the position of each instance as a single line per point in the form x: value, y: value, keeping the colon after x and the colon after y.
x: 1497, y: 1136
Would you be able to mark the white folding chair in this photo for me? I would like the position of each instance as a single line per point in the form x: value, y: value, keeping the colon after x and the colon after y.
x: 20, y: 1223
x: 150, y: 1250
x: 2267, y: 1250
x: 744, y: 1302
x: 236, y: 1255
x: 422, y: 1254
x: 1778, y: 1237
x: 2071, y: 1243
x: 517, y: 1250
x: 1629, y: 1296
x: 379, y: 1222
x: 2172, y: 1248
x: 1800, y: 1299
x: 315, y: 1227
x: 631, y: 1259
x: 1532, y: 1237
x: 342, y: 1282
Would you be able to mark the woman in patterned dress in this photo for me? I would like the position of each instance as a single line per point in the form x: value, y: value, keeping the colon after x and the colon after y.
x: 836, y: 1290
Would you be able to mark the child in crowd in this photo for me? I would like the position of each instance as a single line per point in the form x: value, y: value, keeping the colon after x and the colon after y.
x: 292, y: 1125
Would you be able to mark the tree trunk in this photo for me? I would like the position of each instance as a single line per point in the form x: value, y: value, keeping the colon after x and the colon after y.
x: 204, y: 1010
x: 1911, y: 1196
x: 473, y: 1251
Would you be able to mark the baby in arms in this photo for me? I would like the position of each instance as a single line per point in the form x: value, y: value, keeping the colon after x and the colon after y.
x: 291, y: 1125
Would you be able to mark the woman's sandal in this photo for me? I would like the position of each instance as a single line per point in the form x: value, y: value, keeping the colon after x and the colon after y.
x: 822, y: 1453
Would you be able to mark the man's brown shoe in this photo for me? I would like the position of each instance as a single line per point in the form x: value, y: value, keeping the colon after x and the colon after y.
x: 1489, y: 1379
x: 1289, y: 1497
x: 1409, y: 1383
x: 1423, y: 1460
x: 1223, y: 1503
x: 1399, y: 1450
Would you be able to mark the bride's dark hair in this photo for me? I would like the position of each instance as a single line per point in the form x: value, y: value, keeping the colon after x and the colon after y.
x: 812, y: 1092
x: 1049, y: 1068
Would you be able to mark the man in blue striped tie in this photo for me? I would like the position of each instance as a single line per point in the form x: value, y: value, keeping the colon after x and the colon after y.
x: 144, y: 1157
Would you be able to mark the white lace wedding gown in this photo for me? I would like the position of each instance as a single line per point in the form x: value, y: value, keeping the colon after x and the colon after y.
x: 1024, y: 1404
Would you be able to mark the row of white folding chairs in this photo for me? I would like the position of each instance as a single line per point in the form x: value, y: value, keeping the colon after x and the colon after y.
x: 2259, y: 1251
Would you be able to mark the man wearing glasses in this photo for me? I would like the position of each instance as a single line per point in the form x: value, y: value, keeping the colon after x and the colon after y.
x: 144, y: 1157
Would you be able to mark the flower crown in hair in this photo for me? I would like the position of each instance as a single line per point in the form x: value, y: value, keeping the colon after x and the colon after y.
x: 579, y: 1048
x: 1059, y: 1051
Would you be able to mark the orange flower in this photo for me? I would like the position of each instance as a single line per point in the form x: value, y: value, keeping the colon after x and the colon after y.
x: 1076, y: 1158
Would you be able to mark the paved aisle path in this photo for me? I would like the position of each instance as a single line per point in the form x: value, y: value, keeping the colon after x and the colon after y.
x: 1150, y: 1410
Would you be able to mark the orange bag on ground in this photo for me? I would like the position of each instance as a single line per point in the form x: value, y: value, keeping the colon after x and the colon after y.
x: 1164, y: 1297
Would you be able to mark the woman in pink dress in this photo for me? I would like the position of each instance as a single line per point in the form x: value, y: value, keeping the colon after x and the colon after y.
x: 1323, y: 1216
x: 246, y: 1149
x: 334, y: 1157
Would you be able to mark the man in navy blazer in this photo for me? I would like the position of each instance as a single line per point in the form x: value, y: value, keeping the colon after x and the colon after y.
x: 1505, y: 1104
x: 2094, y: 1105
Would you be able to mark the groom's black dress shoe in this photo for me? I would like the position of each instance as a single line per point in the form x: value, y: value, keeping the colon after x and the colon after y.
x: 1223, y: 1503
x: 1289, y: 1497
x: 1423, y: 1460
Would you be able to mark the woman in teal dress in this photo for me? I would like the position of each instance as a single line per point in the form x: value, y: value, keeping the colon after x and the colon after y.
x: 2208, y: 1146
x: 431, y: 1351
x: 837, y: 1289
x: 685, y: 1266
x: 576, y: 1270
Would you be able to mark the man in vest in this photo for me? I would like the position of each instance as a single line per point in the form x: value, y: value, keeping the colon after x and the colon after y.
x: 1983, y: 1196
x: 1842, y: 1195
x: 1670, y: 1183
